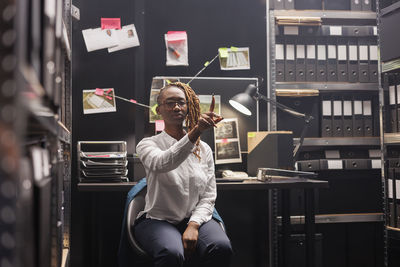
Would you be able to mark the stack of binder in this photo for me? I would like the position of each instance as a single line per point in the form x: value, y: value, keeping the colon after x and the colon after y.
x: 355, y: 5
x: 96, y: 164
x: 327, y: 54
x: 394, y: 103
x: 346, y: 116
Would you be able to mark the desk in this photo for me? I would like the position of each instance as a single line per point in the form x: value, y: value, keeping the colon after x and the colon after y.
x: 285, y: 185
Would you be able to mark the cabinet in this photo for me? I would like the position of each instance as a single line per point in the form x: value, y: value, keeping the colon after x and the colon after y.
x: 35, y: 129
x: 324, y: 63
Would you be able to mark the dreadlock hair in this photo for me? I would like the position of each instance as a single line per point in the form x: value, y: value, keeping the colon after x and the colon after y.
x: 193, y: 105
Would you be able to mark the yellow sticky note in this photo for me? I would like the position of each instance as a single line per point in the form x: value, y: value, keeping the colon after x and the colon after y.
x: 223, y: 52
x: 207, y: 63
x: 168, y: 81
x: 251, y: 135
x: 234, y: 49
x: 153, y: 109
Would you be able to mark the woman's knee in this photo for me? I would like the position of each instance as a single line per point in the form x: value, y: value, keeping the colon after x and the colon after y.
x: 222, y: 248
x: 171, y: 256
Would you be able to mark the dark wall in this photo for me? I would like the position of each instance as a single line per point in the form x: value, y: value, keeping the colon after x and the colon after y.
x: 209, y: 25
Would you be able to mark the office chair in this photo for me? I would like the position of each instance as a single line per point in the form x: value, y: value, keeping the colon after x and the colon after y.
x: 137, y: 204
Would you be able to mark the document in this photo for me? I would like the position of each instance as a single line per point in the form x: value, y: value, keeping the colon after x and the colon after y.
x: 227, y: 143
x: 127, y: 38
x: 96, y: 39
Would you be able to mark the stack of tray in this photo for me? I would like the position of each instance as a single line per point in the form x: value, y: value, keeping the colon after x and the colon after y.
x: 100, y: 166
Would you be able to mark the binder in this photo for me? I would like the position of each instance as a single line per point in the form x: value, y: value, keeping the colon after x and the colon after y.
x: 355, y: 5
x: 347, y: 118
x: 280, y: 61
x: 308, y: 4
x: 311, y: 62
x: 366, y: 5
x: 337, y: 123
x: 398, y: 105
x: 331, y: 164
x: 353, y: 61
x: 358, y: 128
x: 363, y: 62
x: 308, y: 165
x: 367, y: 117
x: 356, y: 164
x: 279, y: 4
x: 290, y: 73
x: 332, y: 62
x: 393, y: 109
x: 321, y: 63
x: 300, y: 63
x: 336, y: 4
x: 342, y: 61
x: 373, y: 63
x: 289, y: 4
x: 326, y: 123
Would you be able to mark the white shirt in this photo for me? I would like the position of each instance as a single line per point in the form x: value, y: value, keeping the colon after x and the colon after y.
x: 179, y: 185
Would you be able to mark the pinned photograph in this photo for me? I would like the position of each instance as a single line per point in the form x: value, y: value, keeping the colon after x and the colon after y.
x: 226, y: 140
x: 205, y: 101
x: 96, y: 39
x: 226, y: 129
x: 227, y: 152
x: 127, y: 38
x: 94, y: 103
x: 234, y: 58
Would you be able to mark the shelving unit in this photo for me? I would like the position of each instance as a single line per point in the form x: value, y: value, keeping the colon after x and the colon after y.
x: 285, y: 91
x: 35, y: 133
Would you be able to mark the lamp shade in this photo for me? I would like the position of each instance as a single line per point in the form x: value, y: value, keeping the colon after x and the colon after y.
x: 244, y: 101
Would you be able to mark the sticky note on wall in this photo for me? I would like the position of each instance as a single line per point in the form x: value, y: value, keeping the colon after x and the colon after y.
x: 111, y: 23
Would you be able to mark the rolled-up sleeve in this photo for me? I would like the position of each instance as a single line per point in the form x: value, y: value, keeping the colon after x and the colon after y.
x: 155, y: 159
x: 205, y: 207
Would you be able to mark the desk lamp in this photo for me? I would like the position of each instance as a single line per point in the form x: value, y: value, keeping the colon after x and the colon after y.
x: 243, y: 101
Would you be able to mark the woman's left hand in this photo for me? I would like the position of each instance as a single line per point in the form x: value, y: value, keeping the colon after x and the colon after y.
x: 189, y: 239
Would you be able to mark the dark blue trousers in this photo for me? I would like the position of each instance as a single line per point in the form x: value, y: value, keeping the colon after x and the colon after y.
x: 163, y: 242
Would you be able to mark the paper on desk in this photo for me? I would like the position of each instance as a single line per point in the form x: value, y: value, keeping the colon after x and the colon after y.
x: 127, y: 38
x: 96, y: 39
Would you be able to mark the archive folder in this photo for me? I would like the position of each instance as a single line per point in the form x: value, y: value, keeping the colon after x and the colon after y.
x: 326, y: 122
x: 290, y: 73
x: 398, y: 104
x: 353, y: 61
x: 366, y: 5
x: 347, y: 118
x: 373, y: 63
x: 393, y: 109
x: 355, y: 5
x: 321, y: 63
x: 289, y: 4
x: 363, y: 70
x: 279, y: 4
x: 342, y: 61
x: 367, y: 116
x: 311, y: 61
x: 332, y: 62
x: 358, y: 128
x: 300, y: 63
x: 337, y: 123
x: 269, y: 150
x: 280, y: 61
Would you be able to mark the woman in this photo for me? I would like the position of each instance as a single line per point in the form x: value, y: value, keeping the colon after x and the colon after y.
x: 176, y: 226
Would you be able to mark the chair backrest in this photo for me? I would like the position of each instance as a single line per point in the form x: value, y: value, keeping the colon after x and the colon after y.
x: 136, y: 206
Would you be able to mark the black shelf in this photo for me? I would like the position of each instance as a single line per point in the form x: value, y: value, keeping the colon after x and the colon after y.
x: 392, y: 65
x: 327, y: 86
x: 393, y: 232
x: 391, y: 138
x: 339, y: 141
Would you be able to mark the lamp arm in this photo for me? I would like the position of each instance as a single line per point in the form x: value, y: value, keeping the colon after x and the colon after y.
x: 284, y: 108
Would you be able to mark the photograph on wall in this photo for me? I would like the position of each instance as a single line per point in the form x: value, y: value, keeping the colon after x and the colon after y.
x: 227, y: 151
x: 96, y: 39
x: 226, y: 129
x: 205, y: 102
x: 234, y: 58
x: 226, y: 140
x: 93, y: 103
x: 127, y: 38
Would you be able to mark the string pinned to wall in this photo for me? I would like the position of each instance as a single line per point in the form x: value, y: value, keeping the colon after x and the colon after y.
x: 100, y: 92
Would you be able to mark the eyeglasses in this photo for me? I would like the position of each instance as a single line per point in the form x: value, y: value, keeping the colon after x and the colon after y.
x: 171, y: 104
